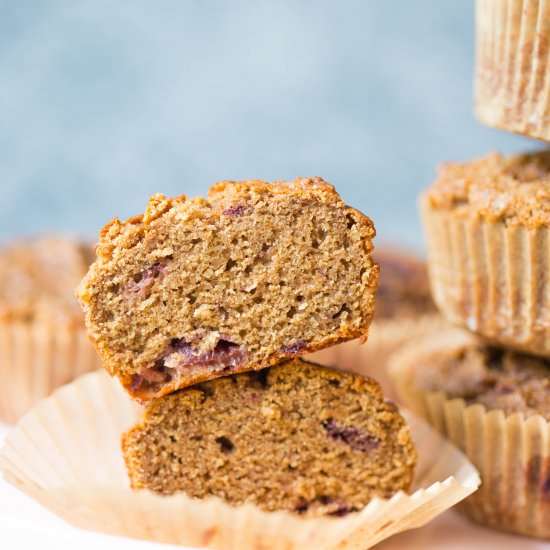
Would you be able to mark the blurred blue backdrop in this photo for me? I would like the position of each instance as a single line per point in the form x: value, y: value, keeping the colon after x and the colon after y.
x: 104, y: 102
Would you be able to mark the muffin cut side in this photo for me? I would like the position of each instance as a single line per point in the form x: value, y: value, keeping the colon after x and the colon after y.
x: 294, y: 437
x: 195, y: 289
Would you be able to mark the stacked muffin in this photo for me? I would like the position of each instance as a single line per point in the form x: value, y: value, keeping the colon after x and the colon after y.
x: 201, y: 308
x: 487, y: 384
x: 43, y: 343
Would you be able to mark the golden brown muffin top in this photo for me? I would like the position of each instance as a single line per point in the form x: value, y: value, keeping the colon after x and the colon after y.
x: 37, y: 279
x: 512, y: 189
x: 403, y: 285
x: 462, y: 365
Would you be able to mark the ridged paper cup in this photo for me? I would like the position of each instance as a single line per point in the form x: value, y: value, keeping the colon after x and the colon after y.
x: 65, y: 454
x: 491, y: 277
x: 512, y: 84
x: 512, y: 453
x: 385, y: 338
x: 35, y: 359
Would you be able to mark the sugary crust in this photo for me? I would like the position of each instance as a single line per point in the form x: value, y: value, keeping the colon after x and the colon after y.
x: 117, y: 237
x: 515, y: 189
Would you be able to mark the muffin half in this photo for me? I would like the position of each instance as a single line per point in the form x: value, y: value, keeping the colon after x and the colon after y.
x: 296, y: 437
x: 195, y: 289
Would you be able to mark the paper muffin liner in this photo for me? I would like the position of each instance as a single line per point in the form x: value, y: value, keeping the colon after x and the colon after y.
x: 490, y: 277
x: 35, y: 359
x: 65, y: 454
x: 512, y: 84
x: 385, y: 338
x: 512, y: 454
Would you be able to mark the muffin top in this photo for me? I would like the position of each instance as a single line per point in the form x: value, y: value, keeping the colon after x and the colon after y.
x: 512, y: 189
x: 38, y: 277
x: 462, y: 365
x: 403, y: 285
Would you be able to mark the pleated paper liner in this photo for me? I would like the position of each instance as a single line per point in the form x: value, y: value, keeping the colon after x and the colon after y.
x: 385, y: 337
x: 512, y: 454
x: 65, y: 454
x: 512, y: 84
x: 490, y: 277
x: 35, y: 359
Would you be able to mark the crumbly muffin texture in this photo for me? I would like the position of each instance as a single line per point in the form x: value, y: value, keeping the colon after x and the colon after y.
x: 403, y: 287
x: 38, y: 277
x: 295, y: 437
x: 259, y: 272
x: 515, y: 189
x: 462, y: 365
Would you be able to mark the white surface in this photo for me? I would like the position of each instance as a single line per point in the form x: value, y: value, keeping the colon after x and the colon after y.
x: 25, y: 524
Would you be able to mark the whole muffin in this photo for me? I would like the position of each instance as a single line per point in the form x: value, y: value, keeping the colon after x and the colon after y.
x: 494, y: 405
x: 513, y: 67
x: 486, y: 224
x: 404, y: 311
x: 295, y: 437
x: 42, y: 334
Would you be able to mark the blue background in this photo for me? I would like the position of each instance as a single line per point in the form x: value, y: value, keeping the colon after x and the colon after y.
x: 104, y: 102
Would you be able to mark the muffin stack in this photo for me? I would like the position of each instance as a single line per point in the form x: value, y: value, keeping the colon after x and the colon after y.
x: 487, y: 228
x: 201, y: 307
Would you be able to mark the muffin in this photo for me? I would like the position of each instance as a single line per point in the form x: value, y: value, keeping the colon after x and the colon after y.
x: 295, y: 437
x: 195, y: 289
x: 494, y: 404
x: 404, y: 311
x: 43, y: 343
x: 512, y: 67
x: 486, y: 225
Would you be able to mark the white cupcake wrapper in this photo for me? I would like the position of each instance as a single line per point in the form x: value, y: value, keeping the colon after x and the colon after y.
x: 66, y: 455
x: 35, y: 359
x: 491, y: 278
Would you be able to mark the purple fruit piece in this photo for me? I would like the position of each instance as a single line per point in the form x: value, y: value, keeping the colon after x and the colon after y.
x: 181, y: 356
x: 238, y: 210
x: 140, y: 284
x: 357, y: 439
x: 296, y: 348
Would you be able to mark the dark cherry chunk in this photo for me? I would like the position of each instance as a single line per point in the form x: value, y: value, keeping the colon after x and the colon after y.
x: 296, y: 348
x: 181, y: 355
x: 226, y: 445
x: 138, y: 287
x: 355, y: 438
x: 334, y: 506
x: 238, y: 210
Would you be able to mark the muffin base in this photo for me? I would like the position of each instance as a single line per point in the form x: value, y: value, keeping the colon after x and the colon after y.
x: 491, y: 278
